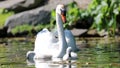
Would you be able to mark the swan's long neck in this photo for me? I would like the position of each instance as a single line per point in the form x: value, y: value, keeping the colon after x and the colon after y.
x: 61, y: 36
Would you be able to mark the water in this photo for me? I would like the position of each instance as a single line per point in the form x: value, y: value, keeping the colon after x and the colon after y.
x: 94, y: 53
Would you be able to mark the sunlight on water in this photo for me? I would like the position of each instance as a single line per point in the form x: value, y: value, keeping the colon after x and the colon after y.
x: 93, y: 54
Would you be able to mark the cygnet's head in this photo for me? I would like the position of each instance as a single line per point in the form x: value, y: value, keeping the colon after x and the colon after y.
x: 61, y: 10
x: 69, y: 50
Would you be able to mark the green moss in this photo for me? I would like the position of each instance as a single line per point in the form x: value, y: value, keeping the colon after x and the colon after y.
x: 29, y: 28
x: 4, y: 14
x: 22, y: 28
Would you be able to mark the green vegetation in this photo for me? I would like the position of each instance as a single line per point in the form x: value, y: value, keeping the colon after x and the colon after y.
x: 4, y: 14
x: 29, y: 28
x: 104, y: 13
x: 22, y: 28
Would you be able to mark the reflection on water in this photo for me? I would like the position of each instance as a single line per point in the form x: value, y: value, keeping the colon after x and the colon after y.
x: 100, y: 53
x: 50, y: 64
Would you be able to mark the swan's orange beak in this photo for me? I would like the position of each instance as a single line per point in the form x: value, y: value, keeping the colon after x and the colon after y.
x: 63, y: 18
x: 63, y: 14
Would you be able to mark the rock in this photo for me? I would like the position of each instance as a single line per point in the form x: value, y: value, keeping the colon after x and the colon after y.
x: 2, y: 0
x: 78, y: 32
x: 83, y: 4
x: 92, y: 33
x: 4, y: 4
x: 21, y: 5
x: 35, y: 16
x: 3, y: 32
x: 31, y: 17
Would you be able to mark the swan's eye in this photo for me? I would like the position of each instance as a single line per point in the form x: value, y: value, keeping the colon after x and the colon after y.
x: 63, y: 12
x: 56, y: 37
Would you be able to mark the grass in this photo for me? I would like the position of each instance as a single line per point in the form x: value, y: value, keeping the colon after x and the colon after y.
x: 4, y: 14
x: 22, y: 28
x: 29, y: 28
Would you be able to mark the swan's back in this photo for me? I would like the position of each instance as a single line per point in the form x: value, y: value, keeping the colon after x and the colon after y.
x: 42, y: 37
x: 42, y: 41
x: 45, y: 44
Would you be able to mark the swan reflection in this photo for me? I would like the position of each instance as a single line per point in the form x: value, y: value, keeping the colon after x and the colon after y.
x: 41, y: 63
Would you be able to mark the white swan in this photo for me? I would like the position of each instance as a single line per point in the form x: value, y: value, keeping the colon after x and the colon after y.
x: 47, y: 44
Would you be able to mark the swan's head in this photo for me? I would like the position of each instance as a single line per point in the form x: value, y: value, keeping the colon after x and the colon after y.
x: 61, y: 10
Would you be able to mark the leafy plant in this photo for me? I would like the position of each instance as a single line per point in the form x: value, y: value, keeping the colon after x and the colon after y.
x: 104, y: 13
x: 73, y: 13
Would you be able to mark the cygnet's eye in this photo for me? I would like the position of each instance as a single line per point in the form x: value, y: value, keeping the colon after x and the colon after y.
x: 63, y: 12
x: 56, y: 36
